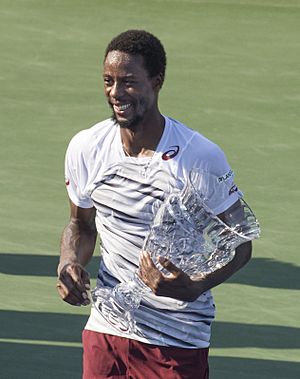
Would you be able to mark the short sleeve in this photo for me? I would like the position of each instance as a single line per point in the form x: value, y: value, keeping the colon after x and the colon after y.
x: 216, y: 182
x: 228, y: 193
x: 76, y: 173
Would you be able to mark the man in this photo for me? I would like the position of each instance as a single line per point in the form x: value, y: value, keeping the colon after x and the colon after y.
x: 115, y: 172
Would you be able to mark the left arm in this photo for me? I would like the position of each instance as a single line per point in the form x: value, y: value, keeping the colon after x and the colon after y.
x: 181, y: 286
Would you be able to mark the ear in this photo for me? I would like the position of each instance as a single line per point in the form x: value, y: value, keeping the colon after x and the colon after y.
x: 158, y: 81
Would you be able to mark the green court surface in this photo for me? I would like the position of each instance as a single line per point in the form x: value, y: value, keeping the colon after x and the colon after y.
x: 233, y: 74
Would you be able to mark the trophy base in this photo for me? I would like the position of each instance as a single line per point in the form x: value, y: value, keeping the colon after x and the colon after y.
x: 107, y: 305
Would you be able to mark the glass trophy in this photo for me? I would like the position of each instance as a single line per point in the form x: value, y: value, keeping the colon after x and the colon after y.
x: 186, y: 231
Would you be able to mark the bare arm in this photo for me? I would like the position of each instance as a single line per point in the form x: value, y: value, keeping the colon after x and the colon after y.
x: 77, y: 246
x: 179, y: 285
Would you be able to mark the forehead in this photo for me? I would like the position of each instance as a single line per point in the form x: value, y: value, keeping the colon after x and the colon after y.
x: 120, y: 63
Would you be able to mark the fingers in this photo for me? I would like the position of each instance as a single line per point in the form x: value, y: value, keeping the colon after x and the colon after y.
x: 68, y: 295
x: 148, y: 272
x: 149, y: 269
x: 176, y: 284
x: 73, y: 283
x: 85, y: 276
x: 152, y: 276
x: 168, y: 265
x: 145, y: 260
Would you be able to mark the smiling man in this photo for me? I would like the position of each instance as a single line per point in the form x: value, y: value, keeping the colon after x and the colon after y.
x: 116, y: 172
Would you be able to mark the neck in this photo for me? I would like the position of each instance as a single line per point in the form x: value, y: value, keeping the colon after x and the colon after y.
x: 143, y: 140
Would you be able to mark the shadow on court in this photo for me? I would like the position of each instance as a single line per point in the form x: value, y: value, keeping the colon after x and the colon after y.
x: 62, y: 327
x: 48, y: 362
x: 268, y: 273
x: 246, y: 368
x: 30, y: 361
x: 260, y: 272
x: 36, y: 331
x: 33, y: 356
x: 36, y: 265
x: 231, y: 335
x: 37, y: 354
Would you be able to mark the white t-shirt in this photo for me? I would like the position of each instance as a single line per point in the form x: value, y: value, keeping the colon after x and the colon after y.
x: 123, y: 190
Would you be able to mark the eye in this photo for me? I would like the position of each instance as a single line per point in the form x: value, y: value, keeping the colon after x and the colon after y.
x: 108, y: 82
x: 129, y: 83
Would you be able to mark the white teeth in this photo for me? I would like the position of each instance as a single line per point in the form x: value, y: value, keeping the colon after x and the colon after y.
x: 123, y: 107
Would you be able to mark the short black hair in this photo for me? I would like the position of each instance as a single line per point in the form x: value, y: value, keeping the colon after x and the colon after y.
x: 140, y: 42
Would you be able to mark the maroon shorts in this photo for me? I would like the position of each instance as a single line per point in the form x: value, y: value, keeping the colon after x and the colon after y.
x: 106, y: 356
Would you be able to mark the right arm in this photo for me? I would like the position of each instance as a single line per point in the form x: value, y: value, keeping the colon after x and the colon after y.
x: 77, y: 246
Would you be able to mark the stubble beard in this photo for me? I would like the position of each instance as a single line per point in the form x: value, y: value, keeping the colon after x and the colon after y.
x: 134, y: 122
x: 127, y: 124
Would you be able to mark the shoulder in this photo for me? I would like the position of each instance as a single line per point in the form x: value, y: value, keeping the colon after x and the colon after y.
x: 208, y: 154
x: 87, y: 140
x: 193, y: 142
x: 98, y: 131
x: 211, y: 149
x: 196, y: 150
x: 178, y: 129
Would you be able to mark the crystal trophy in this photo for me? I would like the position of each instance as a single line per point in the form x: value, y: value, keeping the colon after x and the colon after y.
x: 186, y: 231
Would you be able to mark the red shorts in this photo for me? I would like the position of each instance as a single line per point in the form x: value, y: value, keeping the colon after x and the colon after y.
x: 106, y: 356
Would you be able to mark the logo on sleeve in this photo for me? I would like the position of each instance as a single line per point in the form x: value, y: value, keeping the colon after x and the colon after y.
x: 233, y: 189
x: 67, y: 181
x: 225, y: 177
x: 171, y: 153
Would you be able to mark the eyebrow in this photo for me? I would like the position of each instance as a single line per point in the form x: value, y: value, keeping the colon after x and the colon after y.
x: 129, y: 76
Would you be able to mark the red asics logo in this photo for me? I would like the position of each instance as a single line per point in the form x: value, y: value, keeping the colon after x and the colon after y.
x: 171, y: 153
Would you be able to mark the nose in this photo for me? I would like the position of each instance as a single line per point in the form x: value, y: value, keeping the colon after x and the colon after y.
x: 116, y: 90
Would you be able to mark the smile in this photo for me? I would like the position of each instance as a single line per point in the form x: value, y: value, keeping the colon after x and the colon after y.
x: 121, y: 108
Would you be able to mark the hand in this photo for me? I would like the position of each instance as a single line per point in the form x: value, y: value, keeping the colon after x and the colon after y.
x: 73, y: 283
x: 177, y: 284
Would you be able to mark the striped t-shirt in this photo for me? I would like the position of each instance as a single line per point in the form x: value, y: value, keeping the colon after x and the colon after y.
x: 125, y: 191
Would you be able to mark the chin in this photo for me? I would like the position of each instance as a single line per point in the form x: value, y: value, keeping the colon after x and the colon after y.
x: 123, y: 123
x: 127, y: 124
